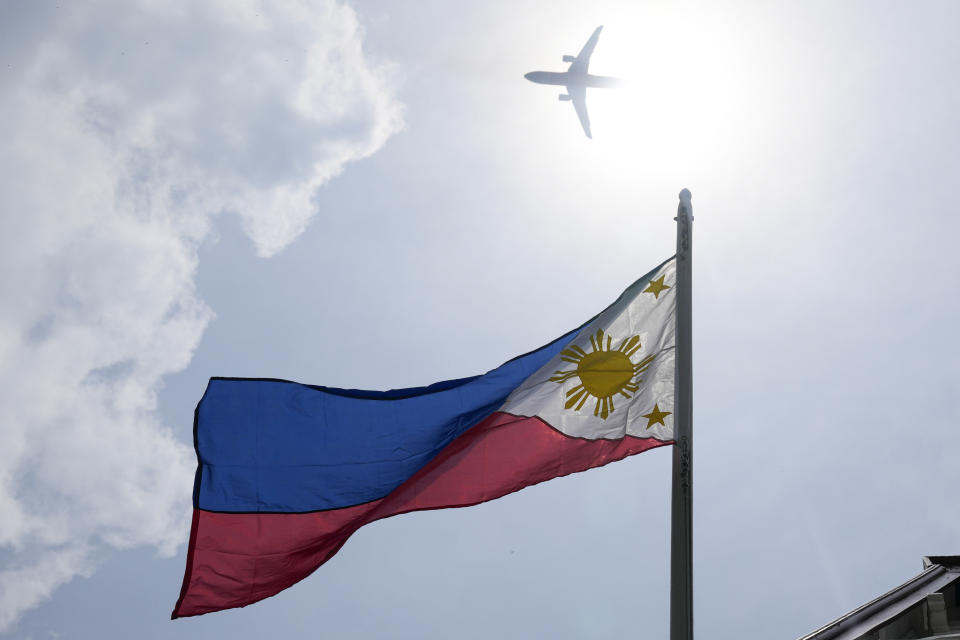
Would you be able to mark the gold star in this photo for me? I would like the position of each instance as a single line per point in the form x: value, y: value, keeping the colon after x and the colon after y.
x: 656, y: 416
x: 656, y: 287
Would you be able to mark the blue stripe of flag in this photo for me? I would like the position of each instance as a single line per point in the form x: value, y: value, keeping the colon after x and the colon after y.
x: 279, y: 446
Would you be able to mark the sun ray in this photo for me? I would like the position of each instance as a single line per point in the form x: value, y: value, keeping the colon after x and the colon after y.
x: 593, y: 340
x: 643, y: 365
x: 582, y: 394
x: 602, y: 407
x: 582, y: 401
x: 627, y: 346
x: 579, y: 387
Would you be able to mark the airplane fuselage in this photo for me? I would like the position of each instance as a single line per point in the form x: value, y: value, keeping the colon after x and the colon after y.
x: 576, y: 79
x: 568, y: 79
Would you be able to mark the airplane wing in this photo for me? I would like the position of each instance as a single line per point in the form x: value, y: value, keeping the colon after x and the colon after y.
x: 582, y: 63
x: 578, y: 96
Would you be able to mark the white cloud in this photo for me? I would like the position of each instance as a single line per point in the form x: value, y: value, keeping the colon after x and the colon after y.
x: 132, y: 126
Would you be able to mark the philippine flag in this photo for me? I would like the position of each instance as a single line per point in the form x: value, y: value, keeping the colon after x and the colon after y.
x: 287, y: 472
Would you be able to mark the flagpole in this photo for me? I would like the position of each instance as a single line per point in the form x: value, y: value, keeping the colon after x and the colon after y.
x: 681, y: 548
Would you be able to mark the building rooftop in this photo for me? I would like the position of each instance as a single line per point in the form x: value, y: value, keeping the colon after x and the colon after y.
x: 926, y: 606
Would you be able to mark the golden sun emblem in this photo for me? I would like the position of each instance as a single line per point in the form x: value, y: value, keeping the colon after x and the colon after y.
x: 603, y: 373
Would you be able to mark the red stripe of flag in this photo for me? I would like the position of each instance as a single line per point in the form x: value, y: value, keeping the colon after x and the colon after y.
x: 236, y: 559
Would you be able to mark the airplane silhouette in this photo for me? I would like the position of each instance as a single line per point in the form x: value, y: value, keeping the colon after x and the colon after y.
x: 576, y: 79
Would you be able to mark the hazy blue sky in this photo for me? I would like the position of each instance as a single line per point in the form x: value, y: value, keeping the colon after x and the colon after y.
x: 369, y: 194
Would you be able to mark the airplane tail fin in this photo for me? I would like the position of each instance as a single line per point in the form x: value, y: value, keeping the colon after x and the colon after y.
x: 569, y: 58
x: 564, y: 97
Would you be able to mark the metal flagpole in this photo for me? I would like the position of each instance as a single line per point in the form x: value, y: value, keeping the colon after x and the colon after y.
x: 681, y: 548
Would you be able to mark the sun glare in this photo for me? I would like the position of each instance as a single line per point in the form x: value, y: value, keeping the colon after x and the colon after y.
x: 686, y: 97
x: 684, y: 82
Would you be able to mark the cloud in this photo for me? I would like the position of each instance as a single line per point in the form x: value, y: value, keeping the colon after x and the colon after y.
x: 128, y: 127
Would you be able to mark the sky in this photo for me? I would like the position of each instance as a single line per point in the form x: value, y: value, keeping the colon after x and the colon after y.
x: 368, y: 194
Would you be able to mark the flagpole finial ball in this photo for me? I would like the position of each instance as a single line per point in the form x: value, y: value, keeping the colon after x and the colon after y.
x: 685, y: 210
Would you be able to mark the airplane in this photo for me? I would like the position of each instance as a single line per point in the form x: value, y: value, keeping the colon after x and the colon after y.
x: 576, y: 79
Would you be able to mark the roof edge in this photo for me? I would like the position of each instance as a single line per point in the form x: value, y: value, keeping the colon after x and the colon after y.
x: 935, y: 568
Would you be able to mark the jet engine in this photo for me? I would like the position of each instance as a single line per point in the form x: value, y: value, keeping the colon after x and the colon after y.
x: 564, y: 97
x: 569, y: 58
